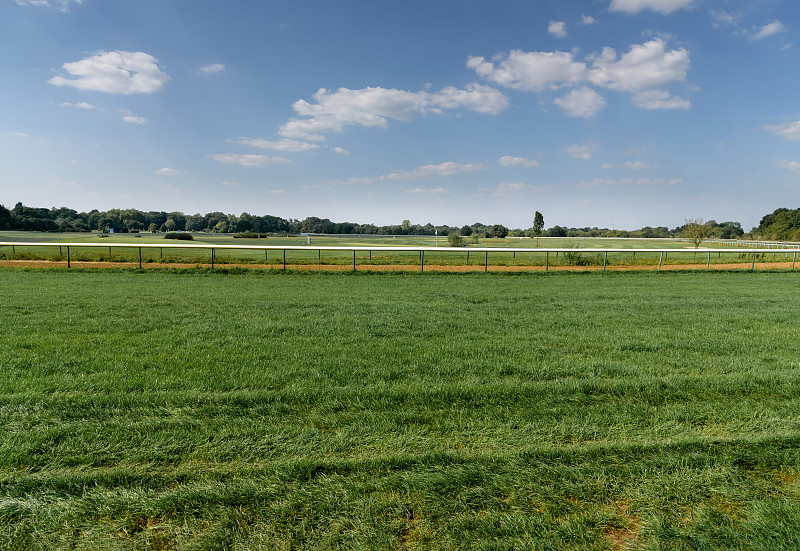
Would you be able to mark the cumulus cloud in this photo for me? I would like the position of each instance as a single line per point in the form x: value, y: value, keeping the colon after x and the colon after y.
x: 531, y: 71
x: 508, y: 160
x: 332, y: 111
x: 117, y: 72
x: 372, y: 107
x: 133, y: 119
x: 246, y: 160
x: 287, y: 145
x: 423, y: 172
x: 794, y: 166
x: 768, y: 30
x: 340, y: 150
x: 167, y: 172
x: 213, y: 68
x: 646, y: 72
x: 557, y: 29
x: 582, y: 152
x: 430, y: 191
x: 630, y: 165
x: 588, y: 20
x: 660, y: 6
x: 787, y: 131
x: 80, y: 105
x: 60, y: 5
x: 603, y: 182
x: 582, y: 102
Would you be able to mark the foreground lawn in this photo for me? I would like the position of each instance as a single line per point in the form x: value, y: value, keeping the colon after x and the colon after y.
x: 200, y: 410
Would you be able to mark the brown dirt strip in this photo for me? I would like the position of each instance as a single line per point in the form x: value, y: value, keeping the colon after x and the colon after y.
x: 396, y: 267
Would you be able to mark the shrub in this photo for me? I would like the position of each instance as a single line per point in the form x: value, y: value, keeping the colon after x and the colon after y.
x: 454, y: 239
x: 179, y: 235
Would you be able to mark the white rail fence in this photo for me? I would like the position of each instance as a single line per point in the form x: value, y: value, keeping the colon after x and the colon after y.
x: 750, y: 253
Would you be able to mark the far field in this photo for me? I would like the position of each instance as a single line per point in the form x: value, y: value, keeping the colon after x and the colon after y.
x: 681, y: 253
x: 241, y: 409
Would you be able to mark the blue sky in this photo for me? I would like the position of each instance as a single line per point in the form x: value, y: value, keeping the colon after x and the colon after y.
x: 620, y: 113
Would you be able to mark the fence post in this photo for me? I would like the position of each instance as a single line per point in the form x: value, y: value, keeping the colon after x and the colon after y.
x: 753, y: 266
x: 486, y: 262
x: 354, y: 260
x: 140, y: 258
x: 422, y: 261
x: 212, y: 258
x: 660, y: 258
x: 266, y: 257
x: 794, y: 258
x: 68, y: 264
x: 284, y: 259
x: 708, y: 262
x: 605, y: 260
x: 547, y: 261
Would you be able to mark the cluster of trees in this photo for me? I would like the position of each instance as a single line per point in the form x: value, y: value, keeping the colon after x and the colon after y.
x: 783, y: 224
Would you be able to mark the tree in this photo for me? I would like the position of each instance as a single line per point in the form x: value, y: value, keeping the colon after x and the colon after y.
x: 538, y: 223
x: 696, y: 230
x: 498, y: 230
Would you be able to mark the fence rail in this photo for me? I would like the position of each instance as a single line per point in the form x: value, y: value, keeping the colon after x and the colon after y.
x: 662, y: 253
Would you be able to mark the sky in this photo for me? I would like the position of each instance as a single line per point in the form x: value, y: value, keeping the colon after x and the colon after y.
x: 597, y: 113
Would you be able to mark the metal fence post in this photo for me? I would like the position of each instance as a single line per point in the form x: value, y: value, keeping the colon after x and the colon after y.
x: 354, y: 260
x: 284, y: 259
x: 660, y: 258
x: 547, y: 261
x: 793, y: 260
x: 753, y: 266
x: 140, y: 258
x: 422, y: 261
x: 605, y: 260
x: 68, y: 264
x: 486, y: 262
x: 212, y: 257
x: 708, y: 262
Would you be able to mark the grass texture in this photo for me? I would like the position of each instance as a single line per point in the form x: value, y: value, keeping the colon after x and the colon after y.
x: 255, y: 410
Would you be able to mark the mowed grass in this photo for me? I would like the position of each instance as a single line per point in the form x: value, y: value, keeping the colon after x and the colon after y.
x: 254, y: 410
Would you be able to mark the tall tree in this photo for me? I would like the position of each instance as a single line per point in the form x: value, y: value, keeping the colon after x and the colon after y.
x: 696, y: 230
x: 538, y: 223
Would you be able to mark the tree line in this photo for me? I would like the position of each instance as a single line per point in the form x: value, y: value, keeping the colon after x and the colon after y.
x: 783, y: 224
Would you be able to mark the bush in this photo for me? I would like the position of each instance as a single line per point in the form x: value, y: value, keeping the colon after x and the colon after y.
x: 454, y: 239
x: 179, y: 236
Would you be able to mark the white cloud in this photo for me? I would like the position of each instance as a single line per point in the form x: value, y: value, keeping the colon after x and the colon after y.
x: 167, y: 172
x: 722, y: 17
x: 431, y: 191
x: 373, y: 107
x: 787, y: 130
x: 660, y: 6
x: 794, y: 166
x: 275, y: 192
x: 630, y: 165
x: 557, y: 29
x: 246, y: 160
x: 531, y: 71
x: 768, y: 30
x: 60, y: 5
x: 133, y: 119
x: 340, y: 151
x: 213, y: 68
x: 646, y: 72
x: 423, y: 172
x: 290, y: 146
x: 582, y: 152
x: 582, y: 102
x: 80, y: 105
x: 117, y: 72
x: 603, y: 182
x: 588, y: 20
x: 508, y: 160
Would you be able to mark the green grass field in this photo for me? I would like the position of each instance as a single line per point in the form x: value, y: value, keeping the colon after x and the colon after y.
x: 250, y: 410
x: 681, y: 252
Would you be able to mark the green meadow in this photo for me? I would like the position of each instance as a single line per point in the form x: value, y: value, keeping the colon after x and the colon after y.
x: 246, y: 409
x: 117, y: 248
